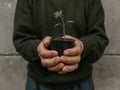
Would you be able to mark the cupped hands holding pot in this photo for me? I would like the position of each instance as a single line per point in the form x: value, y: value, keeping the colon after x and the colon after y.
x: 68, y: 62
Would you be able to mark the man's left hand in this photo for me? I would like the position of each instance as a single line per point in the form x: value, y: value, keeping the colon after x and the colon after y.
x: 72, y: 57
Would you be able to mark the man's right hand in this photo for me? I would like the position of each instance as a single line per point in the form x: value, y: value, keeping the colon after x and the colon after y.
x: 49, y: 58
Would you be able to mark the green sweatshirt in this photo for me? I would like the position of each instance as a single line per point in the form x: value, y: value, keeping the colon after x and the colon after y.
x: 34, y: 19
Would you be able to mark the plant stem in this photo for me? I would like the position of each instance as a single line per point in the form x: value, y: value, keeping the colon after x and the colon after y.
x: 63, y: 24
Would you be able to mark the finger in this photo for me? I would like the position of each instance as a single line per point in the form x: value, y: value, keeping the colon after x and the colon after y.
x: 45, y: 53
x: 72, y: 51
x: 77, y: 42
x: 71, y: 60
x: 68, y: 68
x: 46, y: 41
x: 50, y: 62
x: 77, y: 49
x: 68, y: 36
x: 57, y: 67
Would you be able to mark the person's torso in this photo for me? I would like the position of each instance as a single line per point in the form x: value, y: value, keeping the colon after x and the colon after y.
x: 43, y: 23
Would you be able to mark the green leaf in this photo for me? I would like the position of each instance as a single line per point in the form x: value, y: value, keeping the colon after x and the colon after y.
x: 58, y: 24
x: 58, y: 14
x: 69, y: 22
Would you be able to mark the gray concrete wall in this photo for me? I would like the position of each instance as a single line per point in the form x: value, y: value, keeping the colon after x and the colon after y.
x: 13, y: 68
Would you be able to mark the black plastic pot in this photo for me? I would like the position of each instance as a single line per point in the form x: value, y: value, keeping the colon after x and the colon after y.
x: 60, y: 44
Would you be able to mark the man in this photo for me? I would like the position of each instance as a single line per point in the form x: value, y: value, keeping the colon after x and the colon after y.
x: 33, y: 29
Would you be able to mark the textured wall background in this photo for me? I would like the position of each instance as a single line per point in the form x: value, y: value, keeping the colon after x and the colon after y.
x: 13, y: 67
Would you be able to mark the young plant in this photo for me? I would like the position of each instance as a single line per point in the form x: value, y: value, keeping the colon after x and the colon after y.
x: 59, y: 14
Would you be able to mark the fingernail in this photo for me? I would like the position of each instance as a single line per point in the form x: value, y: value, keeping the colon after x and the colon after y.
x: 65, y: 70
x: 63, y: 58
x: 66, y: 52
x: 57, y: 60
x: 54, y: 53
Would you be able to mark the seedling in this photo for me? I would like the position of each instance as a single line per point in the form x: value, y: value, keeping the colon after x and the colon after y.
x: 60, y: 44
x: 59, y: 14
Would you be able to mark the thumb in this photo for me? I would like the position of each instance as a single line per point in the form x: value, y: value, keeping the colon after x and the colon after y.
x: 46, y: 41
x: 69, y: 36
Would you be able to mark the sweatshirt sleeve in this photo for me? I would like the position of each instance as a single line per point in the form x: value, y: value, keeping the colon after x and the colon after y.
x: 95, y: 41
x: 24, y: 38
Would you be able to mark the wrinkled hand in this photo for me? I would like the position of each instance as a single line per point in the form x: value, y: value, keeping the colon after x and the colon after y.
x: 72, y: 56
x: 49, y: 58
